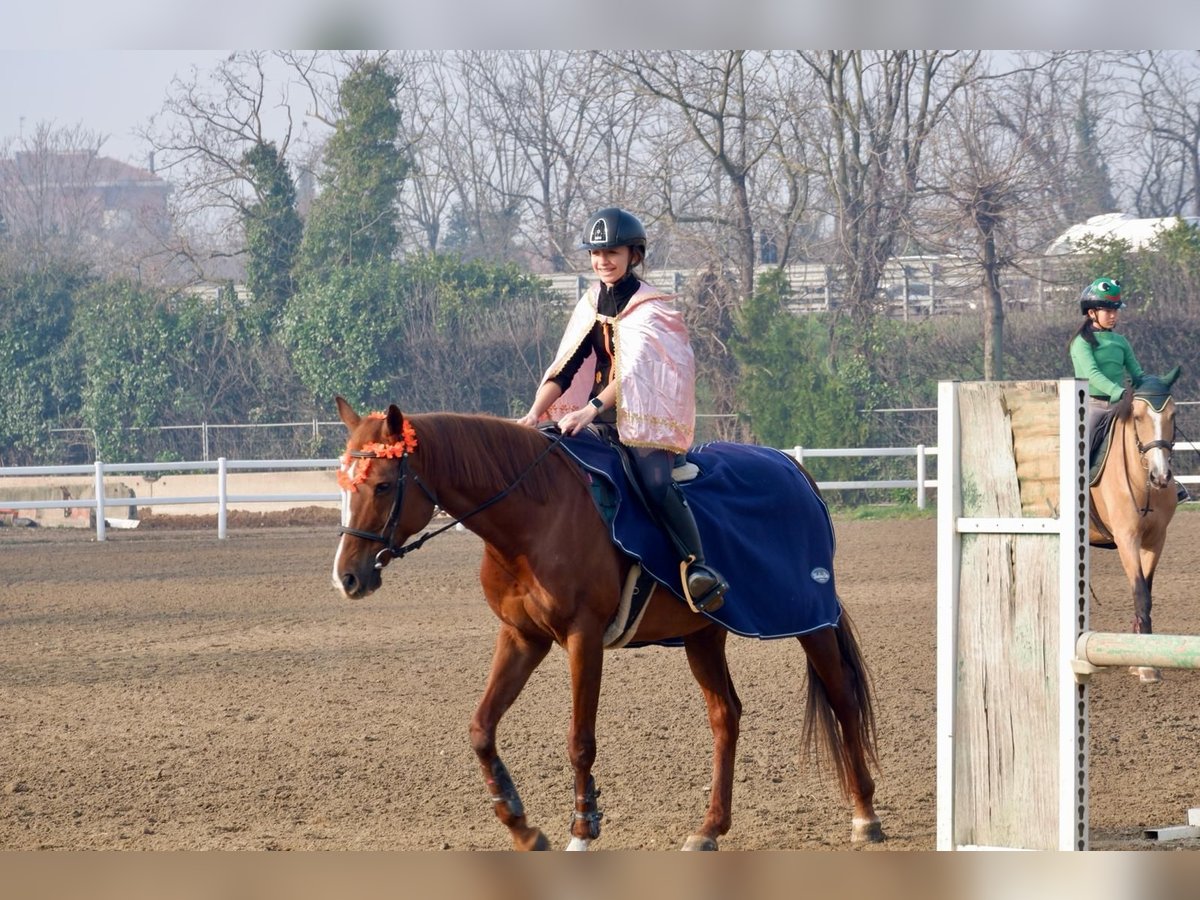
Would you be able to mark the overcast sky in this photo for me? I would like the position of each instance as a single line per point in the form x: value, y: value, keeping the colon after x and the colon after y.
x: 110, y: 92
x: 46, y: 77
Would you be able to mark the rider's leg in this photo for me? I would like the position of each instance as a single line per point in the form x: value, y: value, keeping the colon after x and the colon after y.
x: 1100, y: 416
x: 703, y: 584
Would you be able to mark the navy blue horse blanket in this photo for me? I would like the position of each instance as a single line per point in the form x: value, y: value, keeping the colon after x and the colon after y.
x: 764, y: 527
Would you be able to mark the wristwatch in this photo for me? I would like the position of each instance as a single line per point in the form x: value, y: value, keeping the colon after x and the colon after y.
x: 598, y: 403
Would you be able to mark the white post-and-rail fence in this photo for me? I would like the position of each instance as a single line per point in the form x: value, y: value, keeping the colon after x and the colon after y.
x: 1015, y: 651
x: 222, y: 498
x: 98, y: 471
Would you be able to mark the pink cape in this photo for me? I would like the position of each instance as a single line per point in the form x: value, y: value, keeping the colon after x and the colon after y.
x: 654, y: 369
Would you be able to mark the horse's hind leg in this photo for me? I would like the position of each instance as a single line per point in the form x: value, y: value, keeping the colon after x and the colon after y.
x: 513, y: 661
x: 706, y: 657
x: 840, y: 708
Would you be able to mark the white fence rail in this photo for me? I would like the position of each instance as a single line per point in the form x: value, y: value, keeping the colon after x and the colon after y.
x: 223, y: 499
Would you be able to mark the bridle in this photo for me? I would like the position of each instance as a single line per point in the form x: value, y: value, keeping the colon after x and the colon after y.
x: 1143, y: 449
x: 387, y: 536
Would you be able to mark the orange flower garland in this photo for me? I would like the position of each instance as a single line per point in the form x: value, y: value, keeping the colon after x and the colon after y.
x: 407, y: 444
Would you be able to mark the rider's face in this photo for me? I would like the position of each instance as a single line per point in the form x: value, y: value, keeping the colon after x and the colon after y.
x: 611, y: 264
x: 1105, y: 318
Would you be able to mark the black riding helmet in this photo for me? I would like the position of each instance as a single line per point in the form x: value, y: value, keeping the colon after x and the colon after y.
x: 613, y: 227
x: 1103, y: 293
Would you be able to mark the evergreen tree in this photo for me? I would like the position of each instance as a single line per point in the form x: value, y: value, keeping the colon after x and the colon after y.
x: 273, y: 230
x: 37, y: 364
x: 130, y: 345
x: 1093, y: 193
x: 353, y: 220
x: 788, y: 388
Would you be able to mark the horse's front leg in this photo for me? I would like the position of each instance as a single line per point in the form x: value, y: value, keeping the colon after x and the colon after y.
x: 1131, y: 554
x: 586, y: 654
x: 706, y: 657
x: 514, y: 659
x: 1143, y: 600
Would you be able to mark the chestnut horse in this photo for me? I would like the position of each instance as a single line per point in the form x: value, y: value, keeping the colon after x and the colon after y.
x: 551, y: 575
x: 1134, y: 500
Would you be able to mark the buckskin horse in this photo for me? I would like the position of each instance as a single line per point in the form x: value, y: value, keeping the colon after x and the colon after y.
x: 552, y: 575
x: 1133, y: 498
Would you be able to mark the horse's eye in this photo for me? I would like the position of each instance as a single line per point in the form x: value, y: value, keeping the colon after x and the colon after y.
x: 382, y: 488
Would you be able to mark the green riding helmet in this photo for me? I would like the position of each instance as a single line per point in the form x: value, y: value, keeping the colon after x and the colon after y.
x: 613, y: 227
x: 1103, y: 293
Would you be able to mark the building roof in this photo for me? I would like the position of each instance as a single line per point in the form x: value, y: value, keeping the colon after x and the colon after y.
x: 83, y: 168
x: 1139, y: 233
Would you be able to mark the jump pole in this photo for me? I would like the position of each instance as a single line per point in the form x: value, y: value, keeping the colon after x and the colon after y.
x: 1013, y: 558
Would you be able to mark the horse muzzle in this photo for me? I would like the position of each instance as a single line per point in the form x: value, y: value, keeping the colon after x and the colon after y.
x: 356, y: 585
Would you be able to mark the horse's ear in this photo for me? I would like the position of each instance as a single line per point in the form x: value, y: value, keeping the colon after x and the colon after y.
x: 347, y: 414
x: 395, y: 421
x: 1169, y: 378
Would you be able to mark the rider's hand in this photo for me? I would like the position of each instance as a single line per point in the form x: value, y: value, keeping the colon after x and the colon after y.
x: 1116, y: 395
x: 577, y: 420
x: 528, y: 419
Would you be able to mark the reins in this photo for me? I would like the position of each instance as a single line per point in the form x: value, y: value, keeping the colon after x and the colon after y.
x: 386, y: 537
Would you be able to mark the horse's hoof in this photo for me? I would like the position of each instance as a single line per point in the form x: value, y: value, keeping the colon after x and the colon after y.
x: 699, y: 842
x: 577, y: 843
x: 534, y: 840
x: 868, y: 831
x: 1146, y: 674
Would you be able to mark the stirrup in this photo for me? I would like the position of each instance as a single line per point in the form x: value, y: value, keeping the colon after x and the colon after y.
x: 707, y: 582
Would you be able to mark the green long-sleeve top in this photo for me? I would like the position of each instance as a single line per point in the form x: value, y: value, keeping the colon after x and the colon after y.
x: 1104, y: 366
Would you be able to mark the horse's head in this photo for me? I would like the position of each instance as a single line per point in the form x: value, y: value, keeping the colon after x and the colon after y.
x: 388, y: 502
x: 1152, y: 412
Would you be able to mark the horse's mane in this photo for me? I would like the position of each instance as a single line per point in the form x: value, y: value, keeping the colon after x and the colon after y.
x: 485, y: 452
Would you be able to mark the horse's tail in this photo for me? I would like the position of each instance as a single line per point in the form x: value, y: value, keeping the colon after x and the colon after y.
x: 822, y: 735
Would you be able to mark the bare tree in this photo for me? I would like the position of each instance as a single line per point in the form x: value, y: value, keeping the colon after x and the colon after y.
x: 879, y: 111
x: 429, y: 105
x: 209, y: 122
x: 988, y: 191
x: 706, y: 152
x: 1162, y: 92
x: 543, y: 102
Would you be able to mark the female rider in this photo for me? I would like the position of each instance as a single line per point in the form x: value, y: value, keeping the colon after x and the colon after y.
x: 625, y: 364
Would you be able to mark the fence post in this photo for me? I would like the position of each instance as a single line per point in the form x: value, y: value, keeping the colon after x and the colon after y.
x: 204, y: 441
x: 99, y: 500
x: 920, y: 476
x: 222, y: 499
x: 798, y: 452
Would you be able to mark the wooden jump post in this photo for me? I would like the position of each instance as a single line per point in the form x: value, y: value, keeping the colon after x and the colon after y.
x: 1015, y: 652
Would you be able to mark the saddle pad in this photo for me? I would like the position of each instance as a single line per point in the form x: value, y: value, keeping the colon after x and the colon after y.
x: 764, y: 528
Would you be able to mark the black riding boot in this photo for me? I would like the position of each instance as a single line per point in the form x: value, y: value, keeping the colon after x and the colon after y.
x: 703, y: 584
x: 1181, y: 493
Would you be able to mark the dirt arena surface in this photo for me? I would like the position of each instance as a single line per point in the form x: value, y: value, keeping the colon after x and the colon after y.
x: 164, y: 690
